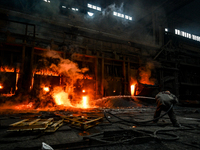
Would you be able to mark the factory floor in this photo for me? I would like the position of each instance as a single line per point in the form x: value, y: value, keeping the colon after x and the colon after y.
x: 111, y: 133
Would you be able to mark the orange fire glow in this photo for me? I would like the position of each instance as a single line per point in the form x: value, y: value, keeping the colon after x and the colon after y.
x: 8, y: 69
x: 1, y: 87
x: 132, y: 89
x: 145, y: 77
x: 61, y: 98
x: 23, y: 106
x: 85, y: 102
x: 45, y: 72
x: 46, y: 89
x: 17, y: 77
x: 83, y: 91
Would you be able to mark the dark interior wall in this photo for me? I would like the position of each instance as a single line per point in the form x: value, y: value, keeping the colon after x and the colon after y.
x: 113, y: 51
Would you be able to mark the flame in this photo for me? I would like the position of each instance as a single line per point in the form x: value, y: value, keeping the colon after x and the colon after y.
x: 8, y: 69
x: 23, y: 106
x: 85, y: 102
x: 83, y: 91
x: 61, y: 98
x: 45, y: 72
x: 132, y: 89
x: 46, y: 89
x: 17, y: 77
x: 1, y: 87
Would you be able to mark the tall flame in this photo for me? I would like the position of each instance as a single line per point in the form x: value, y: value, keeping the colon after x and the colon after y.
x: 85, y: 102
x: 132, y: 89
x: 17, y: 78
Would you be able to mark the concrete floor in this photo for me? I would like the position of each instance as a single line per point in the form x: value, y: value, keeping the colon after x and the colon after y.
x: 68, y: 137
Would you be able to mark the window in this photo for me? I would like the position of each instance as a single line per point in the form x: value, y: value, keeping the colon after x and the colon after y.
x: 99, y: 8
x: 47, y: 1
x: 122, y: 15
x: 115, y: 13
x: 90, y: 14
x: 187, y: 35
x: 89, y: 5
x: 94, y: 7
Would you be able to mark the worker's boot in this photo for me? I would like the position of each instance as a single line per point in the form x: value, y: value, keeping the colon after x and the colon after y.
x: 176, y: 125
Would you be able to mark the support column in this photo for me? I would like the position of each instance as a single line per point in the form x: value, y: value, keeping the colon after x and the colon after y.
x: 129, y: 76
x: 124, y: 74
x: 31, y: 65
x: 176, y: 84
x: 96, y: 76
x: 102, y: 75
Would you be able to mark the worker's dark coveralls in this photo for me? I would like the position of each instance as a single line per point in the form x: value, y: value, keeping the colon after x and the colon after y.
x: 164, y: 101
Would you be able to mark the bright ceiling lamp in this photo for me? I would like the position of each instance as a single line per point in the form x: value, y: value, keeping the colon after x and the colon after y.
x: 90, y: 14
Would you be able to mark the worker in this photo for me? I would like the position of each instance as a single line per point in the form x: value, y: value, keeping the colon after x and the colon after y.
x: 164, y: 101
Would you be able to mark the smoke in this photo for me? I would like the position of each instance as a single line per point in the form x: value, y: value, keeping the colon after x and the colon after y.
x: 65, y: 66
x: 145, y: 73
x: 48, y: 9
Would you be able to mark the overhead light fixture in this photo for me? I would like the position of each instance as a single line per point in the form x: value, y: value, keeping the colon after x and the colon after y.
x: 63, y: 6
x: 166, y: 29
x: 90, y: 14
